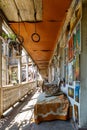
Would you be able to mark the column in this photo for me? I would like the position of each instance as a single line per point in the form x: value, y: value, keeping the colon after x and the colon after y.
x: 7, y: 60
x: 83, y: 68
x: 52, y: 73
x: 26, y: 68
x: 1, y: 94
x: 19, y: 70
x: 49, y: 72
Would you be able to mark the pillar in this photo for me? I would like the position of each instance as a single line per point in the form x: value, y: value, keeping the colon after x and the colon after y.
x: 26, y: 68
x: 7, y: 69
x: 83, y: 68
x: 49, y: 73
x: 19, y: 70
x: 1, y: 94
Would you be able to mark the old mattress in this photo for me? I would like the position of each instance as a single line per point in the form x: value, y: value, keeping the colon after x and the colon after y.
x: 51, y: 108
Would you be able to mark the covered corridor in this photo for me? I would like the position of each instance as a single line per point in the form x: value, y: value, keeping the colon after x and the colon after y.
x: 43, y: 52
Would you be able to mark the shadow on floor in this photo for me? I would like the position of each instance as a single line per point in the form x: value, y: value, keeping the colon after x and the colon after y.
x: 51, y: 125
x: 21, y: 116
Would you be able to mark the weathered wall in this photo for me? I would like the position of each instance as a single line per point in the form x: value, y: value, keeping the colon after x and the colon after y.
x: 1, y: 94
x: 83, y: 68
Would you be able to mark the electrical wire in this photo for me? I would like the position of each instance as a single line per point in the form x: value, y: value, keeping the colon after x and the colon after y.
x: 35, y: 34
x: 20, y: 20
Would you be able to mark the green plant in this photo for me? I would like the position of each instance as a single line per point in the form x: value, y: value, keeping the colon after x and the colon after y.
x: 4, y: 35
x: 9, y: 36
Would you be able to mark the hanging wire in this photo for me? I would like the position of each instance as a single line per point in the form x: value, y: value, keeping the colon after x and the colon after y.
x: 35, y: 20
x: 18, y: 22
x: 20, y: 38
x: 34, y: 10
x: 34, y: 14
x: 35, y: 34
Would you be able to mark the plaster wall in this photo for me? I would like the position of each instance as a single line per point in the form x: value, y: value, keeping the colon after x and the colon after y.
x: 1, y: 94
x: 83, y: 68
x: 0, y: 53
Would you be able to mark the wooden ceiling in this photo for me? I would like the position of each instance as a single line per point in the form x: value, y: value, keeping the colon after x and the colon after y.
x: 48, y: 23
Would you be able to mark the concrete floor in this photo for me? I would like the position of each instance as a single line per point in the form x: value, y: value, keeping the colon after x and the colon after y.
x: 20, y: 118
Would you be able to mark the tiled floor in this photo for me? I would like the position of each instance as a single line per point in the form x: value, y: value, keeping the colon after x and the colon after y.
x: 20, y: 117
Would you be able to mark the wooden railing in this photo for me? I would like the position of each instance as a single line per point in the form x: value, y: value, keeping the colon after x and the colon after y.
x: 13, y: 94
